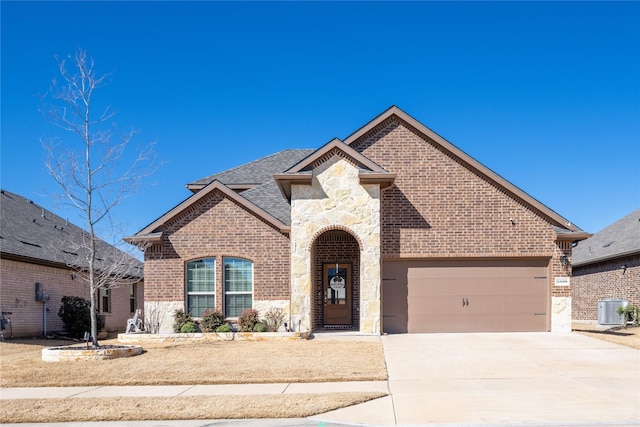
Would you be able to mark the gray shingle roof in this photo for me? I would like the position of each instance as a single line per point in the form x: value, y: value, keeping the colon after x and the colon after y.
x: 619, y: 239
x: 266, y: 194
x: 259, y: 171
x: 30, y: 232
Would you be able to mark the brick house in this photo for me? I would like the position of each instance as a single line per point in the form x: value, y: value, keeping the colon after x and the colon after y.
x: 40, y: 264
x: 607, y: 265
x: 393, y: 229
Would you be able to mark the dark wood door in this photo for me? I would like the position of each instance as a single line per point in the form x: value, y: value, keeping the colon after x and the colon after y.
x: 337, y: 294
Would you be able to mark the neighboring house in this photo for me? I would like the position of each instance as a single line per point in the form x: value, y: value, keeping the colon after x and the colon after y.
x: 607, y: 265
x: 392, y: 230
x: 37, y: 250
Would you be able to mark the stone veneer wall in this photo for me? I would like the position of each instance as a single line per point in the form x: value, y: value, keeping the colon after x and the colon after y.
x: 335, y: 199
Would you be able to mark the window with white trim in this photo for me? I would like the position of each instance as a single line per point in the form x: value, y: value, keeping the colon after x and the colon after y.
x: 238, y: 286
x: 201, y: 285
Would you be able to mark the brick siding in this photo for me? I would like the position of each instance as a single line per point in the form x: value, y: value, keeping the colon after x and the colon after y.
x: 18, y: 281
x: 440, y: 208
x: 218, y: 227
x: 598, y: 281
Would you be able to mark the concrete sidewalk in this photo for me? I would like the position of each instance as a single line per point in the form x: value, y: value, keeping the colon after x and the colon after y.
x: 505, y: 379
x: 190, y: 390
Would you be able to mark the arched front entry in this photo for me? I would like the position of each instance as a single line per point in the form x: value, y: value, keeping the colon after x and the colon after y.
x: 336, y: 281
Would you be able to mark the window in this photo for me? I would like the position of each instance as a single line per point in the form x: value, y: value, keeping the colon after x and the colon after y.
x: 238, y: 286
x: 201, y: 285
x: 132, y: 298
x: 104, y: 300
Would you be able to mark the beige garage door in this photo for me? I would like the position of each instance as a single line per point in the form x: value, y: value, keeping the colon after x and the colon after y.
x: 465, y: 296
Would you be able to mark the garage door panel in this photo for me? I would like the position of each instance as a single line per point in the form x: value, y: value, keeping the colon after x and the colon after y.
x: 469, y: 296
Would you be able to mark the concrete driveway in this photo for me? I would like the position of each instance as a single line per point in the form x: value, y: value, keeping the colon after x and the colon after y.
x: 505, y: 378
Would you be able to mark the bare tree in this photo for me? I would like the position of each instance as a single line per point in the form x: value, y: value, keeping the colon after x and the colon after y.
x: 91, y: 171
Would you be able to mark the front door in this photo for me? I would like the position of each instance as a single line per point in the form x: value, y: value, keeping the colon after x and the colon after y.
x: 337, y: 294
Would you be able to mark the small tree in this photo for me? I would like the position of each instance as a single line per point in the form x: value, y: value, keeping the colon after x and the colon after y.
x: 92, y: 174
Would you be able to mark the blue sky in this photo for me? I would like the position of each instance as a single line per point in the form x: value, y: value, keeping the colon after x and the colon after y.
x: 546, y: 94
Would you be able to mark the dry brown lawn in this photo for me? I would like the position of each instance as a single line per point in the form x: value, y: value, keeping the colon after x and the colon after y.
x: 182, y: 408
x: 221, y: 362
x: 628, y: 337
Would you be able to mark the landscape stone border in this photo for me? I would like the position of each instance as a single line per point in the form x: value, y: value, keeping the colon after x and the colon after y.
x: 213, y: 336
x: 79, y: 354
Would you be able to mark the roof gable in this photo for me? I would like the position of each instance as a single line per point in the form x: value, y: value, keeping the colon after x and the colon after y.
x: 463, y: 157
x: 620, y: 239
x: 301, y: 172
x: 150, y: 232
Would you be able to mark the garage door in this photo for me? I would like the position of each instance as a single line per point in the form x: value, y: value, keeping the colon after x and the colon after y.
x: 465, y: 296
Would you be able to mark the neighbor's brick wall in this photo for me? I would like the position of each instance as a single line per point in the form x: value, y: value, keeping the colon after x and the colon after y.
x: 440, y: 208
x: 598, y: 281
x: 217, y: 227
x: 17, y: 295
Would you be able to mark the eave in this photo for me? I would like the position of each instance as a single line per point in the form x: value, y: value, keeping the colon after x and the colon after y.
x: 607, y: 258
x: 141, y: 239
x: 572, y: 237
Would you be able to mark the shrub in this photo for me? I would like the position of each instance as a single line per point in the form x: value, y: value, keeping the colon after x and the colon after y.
x: 189, y: 328
x: 180, y: 318
x: 274, y: 318
x: 248, y: 320
x: 211, y: 320
x: 260, y: 327
x: 630, y: 313
x: 75, y: 313
x: 224, y: 328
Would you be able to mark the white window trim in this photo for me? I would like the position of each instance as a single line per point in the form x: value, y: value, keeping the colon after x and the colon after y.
x: 225, y: 292
x: 198, y: 293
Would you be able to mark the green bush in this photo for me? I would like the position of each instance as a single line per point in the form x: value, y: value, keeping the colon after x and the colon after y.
x: 211, y: 320
x: 75, y: 313
x: 630, y: 313
x: 180, y: 318
x: 189, y: 328
x: 248, y: 320
x: 260, y: 327
x: 224, y: 328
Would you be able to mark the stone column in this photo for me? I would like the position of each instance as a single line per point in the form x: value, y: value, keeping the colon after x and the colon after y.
x: 336, y: 199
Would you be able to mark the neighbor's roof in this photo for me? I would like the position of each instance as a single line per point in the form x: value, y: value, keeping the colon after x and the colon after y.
x: 622, y: 238
x: 30, y: 233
